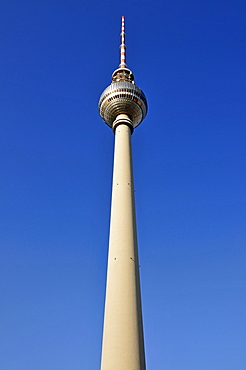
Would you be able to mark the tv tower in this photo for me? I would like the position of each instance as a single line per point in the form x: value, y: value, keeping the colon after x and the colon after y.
x: 123, y: 106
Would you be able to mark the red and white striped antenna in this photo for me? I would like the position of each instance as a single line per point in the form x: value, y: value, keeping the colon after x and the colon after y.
x: 122, y: 46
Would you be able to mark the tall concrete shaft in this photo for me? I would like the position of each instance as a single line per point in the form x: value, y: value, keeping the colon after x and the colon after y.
x: 123, y: 106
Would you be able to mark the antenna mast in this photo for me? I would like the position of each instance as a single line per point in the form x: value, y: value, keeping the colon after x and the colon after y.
x: 122, y: 46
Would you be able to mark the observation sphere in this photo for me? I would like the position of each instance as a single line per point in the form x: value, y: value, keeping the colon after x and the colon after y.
x: 122, y: 97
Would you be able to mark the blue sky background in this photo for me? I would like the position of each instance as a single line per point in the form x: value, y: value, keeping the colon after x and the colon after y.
x: 189, y: 57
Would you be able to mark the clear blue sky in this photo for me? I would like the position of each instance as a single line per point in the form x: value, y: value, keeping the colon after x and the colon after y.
x: 189, y: 57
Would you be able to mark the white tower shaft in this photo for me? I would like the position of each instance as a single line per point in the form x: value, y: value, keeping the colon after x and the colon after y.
x: 123, y: 344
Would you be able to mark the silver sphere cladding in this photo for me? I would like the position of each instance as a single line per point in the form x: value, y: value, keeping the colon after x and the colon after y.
x: 123, y: 98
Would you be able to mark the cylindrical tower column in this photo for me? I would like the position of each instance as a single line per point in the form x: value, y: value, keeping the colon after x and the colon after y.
x: 123, y: 344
